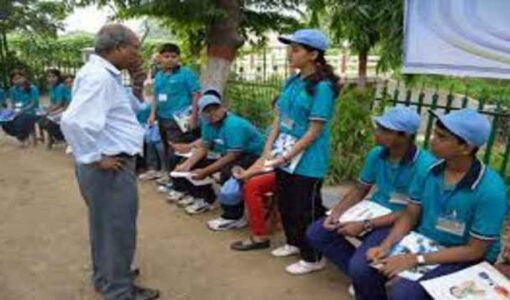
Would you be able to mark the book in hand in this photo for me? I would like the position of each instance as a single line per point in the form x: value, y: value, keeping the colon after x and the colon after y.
x: 414, y: 243
x: 283, y: 144
x: 189, y: 176
x: 210, y: 154
x: 479, y: 282
x: 7, y: 115
x: 364, y: 210
x: 182, y: 119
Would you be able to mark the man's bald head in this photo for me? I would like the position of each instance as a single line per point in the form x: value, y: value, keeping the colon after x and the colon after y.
x: 112, y: 36
x: 119, y: 45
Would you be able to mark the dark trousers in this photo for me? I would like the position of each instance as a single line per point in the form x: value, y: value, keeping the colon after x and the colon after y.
x: 112, y: 201
x: 20, y: 127
x: 53, y: 129
x: 170, y: 132
x: 300, y: 204
x: 369, y: 283
x: 206, y: 192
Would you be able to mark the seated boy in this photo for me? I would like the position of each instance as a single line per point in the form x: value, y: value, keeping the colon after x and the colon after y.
x: 389, y: 168
x: 459, y: 203
x: 237, y: 142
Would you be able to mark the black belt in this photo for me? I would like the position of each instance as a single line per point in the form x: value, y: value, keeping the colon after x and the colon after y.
x: 124, y: 155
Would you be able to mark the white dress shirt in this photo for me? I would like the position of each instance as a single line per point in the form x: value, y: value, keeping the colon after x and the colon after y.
x: 100, y: 120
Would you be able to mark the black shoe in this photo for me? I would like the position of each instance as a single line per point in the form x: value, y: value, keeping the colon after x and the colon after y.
x: 141, y: 293
x: 135, y: 272
x: 249, y: 245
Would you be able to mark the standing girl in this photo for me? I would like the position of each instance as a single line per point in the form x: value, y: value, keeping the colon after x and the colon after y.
x: 304, y: 108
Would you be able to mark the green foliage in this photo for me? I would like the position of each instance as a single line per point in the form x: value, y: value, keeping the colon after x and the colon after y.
x: 365, y: 24
x: 351, y: 134
x: 253, y: 100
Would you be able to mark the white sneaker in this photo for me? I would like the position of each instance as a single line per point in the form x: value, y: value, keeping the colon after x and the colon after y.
x: 184, y: 201
x: 351, y: 291
x: 221, y: 224
x: 302, y: 267
x: 149, y: 175
x: 285, y: 250
x: 69, y: 150
x: 175, y: 195
x: 199, y: 206
x: 163, y: 179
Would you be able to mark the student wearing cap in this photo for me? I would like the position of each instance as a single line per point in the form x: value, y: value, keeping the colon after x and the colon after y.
x: 459, y: 203
x: 304, y: 109
x: 176, y: 89
x: 389, y: 168
x: 236, y: 141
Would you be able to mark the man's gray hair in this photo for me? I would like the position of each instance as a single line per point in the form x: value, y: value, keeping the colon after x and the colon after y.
x: 112, y: 36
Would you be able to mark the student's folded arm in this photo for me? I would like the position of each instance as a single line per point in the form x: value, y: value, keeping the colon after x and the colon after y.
x: 474, y: 251
x: 228, y: 158
x: 353, y: 196
x: 199, y: 154
x: 386, y: 220
x: 407, y: 221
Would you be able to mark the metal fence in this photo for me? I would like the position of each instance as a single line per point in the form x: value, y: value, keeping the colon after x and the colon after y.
x: 497, y: 150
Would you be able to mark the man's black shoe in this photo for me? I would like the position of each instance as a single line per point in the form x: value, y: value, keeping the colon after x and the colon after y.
x: 141, y: 293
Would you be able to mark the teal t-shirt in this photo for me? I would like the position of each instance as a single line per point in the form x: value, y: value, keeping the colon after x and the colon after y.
x: 21, y: 98
x: 296, y: 108
x: 233, y: 133
x: 57, y: 94
x: 67, y: 95
x: 477, y: 206
x: 173, y: 91
x: 392, y: 180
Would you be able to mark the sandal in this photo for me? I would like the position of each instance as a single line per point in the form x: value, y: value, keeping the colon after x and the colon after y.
x: 248, y: 245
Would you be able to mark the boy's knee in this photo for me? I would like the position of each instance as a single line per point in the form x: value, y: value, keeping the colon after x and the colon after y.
x: 317, y: 234
x: 404, y: 289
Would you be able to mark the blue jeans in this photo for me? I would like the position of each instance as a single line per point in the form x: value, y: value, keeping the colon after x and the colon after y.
x: 112, y: 201
x: 368, y: 283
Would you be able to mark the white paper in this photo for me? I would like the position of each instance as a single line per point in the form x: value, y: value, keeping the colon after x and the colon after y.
x: 479, y: 282
x: 283, y: 144
x: 182, y: 119
x: 364, y: 210
x: 189, y: 176
x: 415, y: 243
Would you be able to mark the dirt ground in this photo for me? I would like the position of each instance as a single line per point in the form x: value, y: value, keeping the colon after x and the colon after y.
x: 44, y: 250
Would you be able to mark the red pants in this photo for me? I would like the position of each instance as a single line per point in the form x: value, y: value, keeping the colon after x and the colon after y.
x: 254, y: 193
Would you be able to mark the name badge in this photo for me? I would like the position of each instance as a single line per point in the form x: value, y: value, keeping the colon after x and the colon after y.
x: 399, y: 198
x: 162, y: 98
x: 450, y: 224
x: 219, y: 141
x: 287, y: 123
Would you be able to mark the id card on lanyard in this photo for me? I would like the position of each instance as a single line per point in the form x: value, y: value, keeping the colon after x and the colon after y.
x: 448, y: 221
x: 396, y: 197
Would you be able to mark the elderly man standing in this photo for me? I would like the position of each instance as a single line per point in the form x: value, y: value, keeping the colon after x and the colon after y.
x: 101, y: 127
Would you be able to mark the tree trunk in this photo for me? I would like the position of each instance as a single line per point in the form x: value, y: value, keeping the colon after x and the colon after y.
x: 223, y: 40
x: 4, y: 58
x: 362, y: 69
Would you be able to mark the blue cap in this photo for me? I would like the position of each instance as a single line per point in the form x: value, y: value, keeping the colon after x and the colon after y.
x: 207, y: 100
x: 309, y: 37
x: 400, y: 118
x: 467, y: 124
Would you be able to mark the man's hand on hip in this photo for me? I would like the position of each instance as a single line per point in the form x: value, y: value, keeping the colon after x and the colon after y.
x: 109, y: 163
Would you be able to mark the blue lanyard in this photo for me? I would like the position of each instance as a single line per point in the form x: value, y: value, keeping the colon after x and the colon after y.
x: 445, y: 197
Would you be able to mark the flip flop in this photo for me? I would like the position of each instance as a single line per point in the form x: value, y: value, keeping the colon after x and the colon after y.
x: 248, y: 245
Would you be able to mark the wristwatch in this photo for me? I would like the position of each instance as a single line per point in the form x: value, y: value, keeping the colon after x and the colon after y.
x: 420, y: 258
x: 368, y: 226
